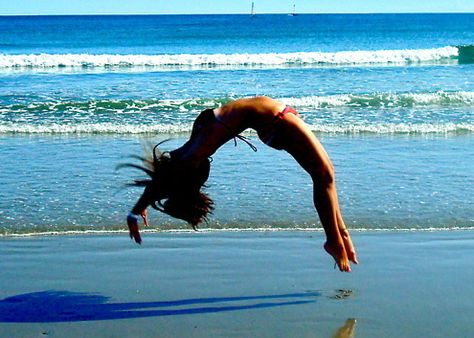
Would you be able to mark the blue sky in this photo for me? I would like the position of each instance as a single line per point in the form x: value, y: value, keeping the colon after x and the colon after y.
x: 42, y: 7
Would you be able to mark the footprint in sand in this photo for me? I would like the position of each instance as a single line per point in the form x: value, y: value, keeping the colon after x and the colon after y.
x: 342, y: 294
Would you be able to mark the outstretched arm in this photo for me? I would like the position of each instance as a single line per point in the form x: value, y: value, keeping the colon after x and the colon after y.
x: 138, y: 210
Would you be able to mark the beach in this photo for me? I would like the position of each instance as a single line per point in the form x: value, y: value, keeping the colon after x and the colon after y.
x: 390, y: 97
x: 236, y: 284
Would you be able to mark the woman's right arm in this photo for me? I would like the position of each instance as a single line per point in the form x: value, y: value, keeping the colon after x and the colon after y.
x: 138, y: 210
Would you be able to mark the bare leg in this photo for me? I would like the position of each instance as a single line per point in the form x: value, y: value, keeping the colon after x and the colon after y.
x: 324, y: 192
x: 311, y: 155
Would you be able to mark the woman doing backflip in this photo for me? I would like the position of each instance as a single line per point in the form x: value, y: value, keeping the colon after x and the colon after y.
x: 176, y: 177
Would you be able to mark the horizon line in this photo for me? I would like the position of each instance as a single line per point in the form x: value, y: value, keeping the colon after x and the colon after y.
x: 239, y: 13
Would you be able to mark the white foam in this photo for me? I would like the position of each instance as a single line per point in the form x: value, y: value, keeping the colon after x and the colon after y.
x: 394, y: 128
x: 401, y: 57
x: 226, y: 230
x: 94, y: 128
x: 33, y: 118
x: 111, y: 128
x: 439, y: 98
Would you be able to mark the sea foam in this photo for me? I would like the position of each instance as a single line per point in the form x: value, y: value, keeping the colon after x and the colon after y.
x: 331, y: 128
x: 429, y: 112
x: 200, y: 61
x: 349, y: 100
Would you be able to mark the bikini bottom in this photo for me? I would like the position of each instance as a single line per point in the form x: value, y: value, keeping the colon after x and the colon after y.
x: 273, y: 134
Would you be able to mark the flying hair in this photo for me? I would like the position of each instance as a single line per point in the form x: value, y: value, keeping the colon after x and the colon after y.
x: 173, y: 186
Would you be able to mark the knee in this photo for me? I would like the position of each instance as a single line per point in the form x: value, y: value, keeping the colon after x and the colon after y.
x: 323, y: 175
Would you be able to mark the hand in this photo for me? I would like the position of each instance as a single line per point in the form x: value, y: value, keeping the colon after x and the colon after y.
x: 144, y: 215
x: 133, y: 229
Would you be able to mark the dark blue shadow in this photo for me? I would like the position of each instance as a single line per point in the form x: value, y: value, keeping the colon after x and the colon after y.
x: 65, y: 306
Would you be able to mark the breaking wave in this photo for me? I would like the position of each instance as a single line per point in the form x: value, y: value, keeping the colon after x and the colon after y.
x: 331, y: 128
x: 379, y: 113
x: 375, y: 100
x: 442, y: 55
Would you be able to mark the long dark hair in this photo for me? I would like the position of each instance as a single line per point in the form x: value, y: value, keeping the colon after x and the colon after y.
x: 175, y: 186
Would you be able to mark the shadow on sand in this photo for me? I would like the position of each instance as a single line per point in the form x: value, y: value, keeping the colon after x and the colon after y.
x: 65, y: 306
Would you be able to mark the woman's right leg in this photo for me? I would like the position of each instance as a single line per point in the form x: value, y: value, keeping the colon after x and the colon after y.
x: 300, y: 142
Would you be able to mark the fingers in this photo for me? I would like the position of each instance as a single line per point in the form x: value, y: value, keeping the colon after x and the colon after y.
x: 144, y: 215
x: 132, y: 222
x: 134, y: 231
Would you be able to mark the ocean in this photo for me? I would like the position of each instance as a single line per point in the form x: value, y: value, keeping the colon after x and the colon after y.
x: 391, y: 97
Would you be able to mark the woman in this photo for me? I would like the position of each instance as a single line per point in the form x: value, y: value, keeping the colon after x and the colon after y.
x: 177, y: 176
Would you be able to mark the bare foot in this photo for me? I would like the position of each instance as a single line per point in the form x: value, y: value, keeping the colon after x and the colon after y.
x: 339, y: 254
x: 350, y: 251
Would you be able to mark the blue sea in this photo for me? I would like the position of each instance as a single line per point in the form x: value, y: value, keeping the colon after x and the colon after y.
x: 391, y: 97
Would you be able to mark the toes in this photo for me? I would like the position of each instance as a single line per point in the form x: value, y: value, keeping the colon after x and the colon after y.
x: 353, y: 257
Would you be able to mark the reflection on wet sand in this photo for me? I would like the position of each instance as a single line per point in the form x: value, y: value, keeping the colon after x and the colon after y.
x: 347, y: 330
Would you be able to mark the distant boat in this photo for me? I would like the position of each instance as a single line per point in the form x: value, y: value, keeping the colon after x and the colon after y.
x: 252, y: 10
x: 294, y: 11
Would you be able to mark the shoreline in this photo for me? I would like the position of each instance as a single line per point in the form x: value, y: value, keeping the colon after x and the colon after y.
x: 156, y: 231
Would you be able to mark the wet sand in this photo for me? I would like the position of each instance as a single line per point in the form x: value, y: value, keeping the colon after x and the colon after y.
x: 224, y: 284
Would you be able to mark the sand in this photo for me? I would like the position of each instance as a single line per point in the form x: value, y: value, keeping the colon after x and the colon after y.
x: 223, y: 284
